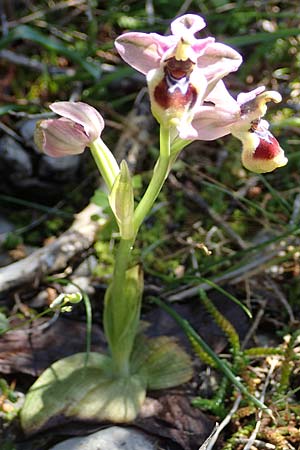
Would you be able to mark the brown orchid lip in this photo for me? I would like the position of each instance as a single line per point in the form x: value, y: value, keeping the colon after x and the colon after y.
x: 177, y: 99
x: 267, y: 148
x: 175, y: 90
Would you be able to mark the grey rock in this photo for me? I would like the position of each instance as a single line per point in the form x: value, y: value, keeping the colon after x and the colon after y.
x: 87, y: 267
x: 27, y: 128
x: 14, y: 159
x: 113, y: 438
x: 5, y: 225
x: 60, y: 169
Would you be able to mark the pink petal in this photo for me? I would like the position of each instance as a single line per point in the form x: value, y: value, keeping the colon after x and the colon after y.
x: 190, y: 23
x: 209, y: 123
x: 214, y: 121
x: 218, y: 60
x: 143, y: 51
x: 245, y: 97
x: 83, y: 114
x: 222, y: 98
x: 200, y: 45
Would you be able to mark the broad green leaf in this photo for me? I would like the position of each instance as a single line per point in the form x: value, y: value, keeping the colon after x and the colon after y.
x: 70, y: 389
x: 163, y: 362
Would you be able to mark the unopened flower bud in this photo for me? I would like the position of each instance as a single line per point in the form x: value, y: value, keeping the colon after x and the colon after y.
x: 121, y: 201
x: 79, y: 126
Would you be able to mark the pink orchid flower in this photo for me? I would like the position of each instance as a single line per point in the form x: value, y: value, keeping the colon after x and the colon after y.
x: 181, y: 70
x: 221, y: 115
x: 79, y: 126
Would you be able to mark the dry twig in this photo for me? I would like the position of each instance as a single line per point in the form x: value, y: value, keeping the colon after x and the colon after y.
x: 55, y: 256
x: 208, y: 445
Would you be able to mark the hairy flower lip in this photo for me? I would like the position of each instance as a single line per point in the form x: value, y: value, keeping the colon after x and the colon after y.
x: 267, y: 148
x: 262, y: 152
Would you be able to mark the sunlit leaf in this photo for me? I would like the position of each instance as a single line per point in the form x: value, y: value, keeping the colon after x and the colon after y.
x: 69, y: 389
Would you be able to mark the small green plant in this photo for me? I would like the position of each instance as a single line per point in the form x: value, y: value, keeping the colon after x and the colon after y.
x: 8, y: 399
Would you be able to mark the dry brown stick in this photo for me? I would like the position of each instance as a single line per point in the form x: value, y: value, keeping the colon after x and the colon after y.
x: 251, y: 268
x: 55, y: 256
x: 255, y: 324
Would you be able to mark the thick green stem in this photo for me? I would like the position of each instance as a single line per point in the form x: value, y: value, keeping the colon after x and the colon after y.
x: 117, y: 307
x: 177, y: 146
x: 160, y: 173
x: 121, y: 265
x: 116, y: 311
x: 106, y: 162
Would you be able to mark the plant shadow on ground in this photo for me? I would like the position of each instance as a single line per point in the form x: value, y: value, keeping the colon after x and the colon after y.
x: 214, y: 226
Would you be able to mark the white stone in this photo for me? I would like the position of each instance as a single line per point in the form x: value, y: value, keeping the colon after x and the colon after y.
x: 113, y: 438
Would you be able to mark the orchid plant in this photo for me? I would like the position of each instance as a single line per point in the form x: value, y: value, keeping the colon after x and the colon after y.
x: 190, y: 102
